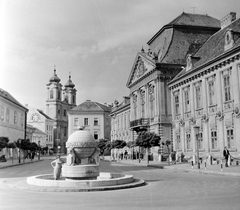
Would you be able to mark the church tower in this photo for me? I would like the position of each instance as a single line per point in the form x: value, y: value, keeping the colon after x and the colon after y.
x: 69, y: 93
x: 59, y: 102
x: 54, y: 97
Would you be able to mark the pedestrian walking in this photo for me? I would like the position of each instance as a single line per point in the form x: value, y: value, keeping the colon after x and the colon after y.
x: 226, y: 155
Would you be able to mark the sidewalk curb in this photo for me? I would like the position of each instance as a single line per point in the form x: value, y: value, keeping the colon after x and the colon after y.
x: 18, y: 164
x: 222, y: 173
x: 173, y: 167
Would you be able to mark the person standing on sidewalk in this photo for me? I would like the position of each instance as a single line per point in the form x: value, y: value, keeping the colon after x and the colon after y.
x: 226, y: 155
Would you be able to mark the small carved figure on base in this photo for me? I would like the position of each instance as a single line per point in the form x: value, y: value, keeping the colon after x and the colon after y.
x: 71, y: 158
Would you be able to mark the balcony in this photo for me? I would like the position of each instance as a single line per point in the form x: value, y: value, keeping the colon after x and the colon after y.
x: 142, y: 122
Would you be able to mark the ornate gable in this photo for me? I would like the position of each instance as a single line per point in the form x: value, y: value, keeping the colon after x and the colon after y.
x: 140, y: 68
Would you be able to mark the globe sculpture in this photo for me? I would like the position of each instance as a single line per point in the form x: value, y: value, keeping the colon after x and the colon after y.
x: 83, y: 156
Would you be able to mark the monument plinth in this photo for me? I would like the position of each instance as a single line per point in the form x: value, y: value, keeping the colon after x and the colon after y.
x: 83, y: 156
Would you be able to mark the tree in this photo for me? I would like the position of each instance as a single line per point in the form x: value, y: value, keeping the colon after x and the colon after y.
x: 167, y: 143
x: 33, y: 146
x: 3, y: 142
x: 103, y: 144
x: 131, y: 144
x: 118, y: 144
x: 11, y: 145
x: 147, y: 140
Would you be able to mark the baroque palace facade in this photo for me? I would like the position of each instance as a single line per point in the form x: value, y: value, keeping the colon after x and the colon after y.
x: 184, y: 55
x: 206, y: 93
x: 150, y: 98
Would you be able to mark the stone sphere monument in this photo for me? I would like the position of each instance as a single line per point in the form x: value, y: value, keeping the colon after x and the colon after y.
x: 83, y: 156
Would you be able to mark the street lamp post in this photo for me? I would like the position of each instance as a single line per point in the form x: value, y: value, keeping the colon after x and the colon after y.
x: 19, y: 150
x: 196, y: 131
x: 59, y: 150
x: 39, y: 150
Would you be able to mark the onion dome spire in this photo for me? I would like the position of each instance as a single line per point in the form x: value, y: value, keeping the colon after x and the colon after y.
x: 54, y: 78
x: 69, y: 82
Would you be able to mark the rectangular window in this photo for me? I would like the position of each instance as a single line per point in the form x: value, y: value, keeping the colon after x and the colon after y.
x: 2, y: 112
x: 211, y: 92
x: 188, y: 141
x: 152, y: 101
x: 214, y: 139
x: 198, y: 97
x: 95, y: 121
x: 230, y: 138
x: 15, y: 117
x: 227, y: 88
x: 76, y: 122
x: 200, y: 141
x: 177, y: 105
x: 85, y: 121
x: 135, y: 106
x: 178, y: 142
x: 96, y: 135
x: 142, y: 104
x: 186, y: 101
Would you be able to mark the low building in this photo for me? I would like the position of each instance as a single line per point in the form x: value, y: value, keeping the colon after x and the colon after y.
x: 206, y: 94
x: 39, y: 137
x: 93, y: 116
x: 120, y: 121
x: 38, y: 119
x: 12, y: 118
x: 29, y: 132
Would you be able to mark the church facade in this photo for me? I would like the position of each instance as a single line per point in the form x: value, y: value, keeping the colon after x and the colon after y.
x: 60, y: 99
x: 206, y: 95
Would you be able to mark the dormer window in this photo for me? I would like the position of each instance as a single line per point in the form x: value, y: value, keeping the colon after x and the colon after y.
x: 191, y: 60
x: 228, y: 40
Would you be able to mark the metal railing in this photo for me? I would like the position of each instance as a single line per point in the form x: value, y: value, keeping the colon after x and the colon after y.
x: 140, y: 122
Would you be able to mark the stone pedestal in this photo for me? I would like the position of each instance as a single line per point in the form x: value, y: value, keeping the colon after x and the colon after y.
x: 80, y: 171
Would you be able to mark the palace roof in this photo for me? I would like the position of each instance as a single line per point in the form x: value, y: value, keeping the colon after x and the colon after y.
x: 213, y: 48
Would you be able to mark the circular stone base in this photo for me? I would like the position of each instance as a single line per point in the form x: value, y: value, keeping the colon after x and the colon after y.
x: 80, y: 171
x: 106, y: 181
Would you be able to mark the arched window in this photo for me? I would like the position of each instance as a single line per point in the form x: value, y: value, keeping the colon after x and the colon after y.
x: 51, y: 94
x: 73, y: 99
x: 59, y: 95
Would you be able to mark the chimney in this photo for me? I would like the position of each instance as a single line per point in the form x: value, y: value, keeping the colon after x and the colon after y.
x: 228, y: 19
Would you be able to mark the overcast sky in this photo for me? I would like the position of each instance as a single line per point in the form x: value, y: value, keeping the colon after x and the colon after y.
x: 96, y: 40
